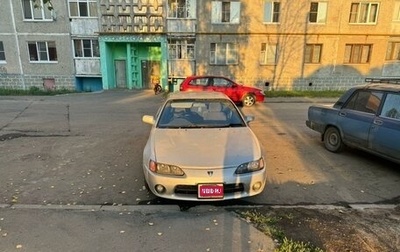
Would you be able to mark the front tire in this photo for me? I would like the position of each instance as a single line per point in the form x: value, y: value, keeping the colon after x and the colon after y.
x: 248, y: 100
x: 332, y: 140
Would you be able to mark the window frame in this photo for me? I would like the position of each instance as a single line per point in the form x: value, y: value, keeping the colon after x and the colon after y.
x: 181, y: 49
x: 393, y: 48
x: 94, y: 48
x: 396, y: 11
x: 357, y: 16
x: 217, y: 16
x: 274, y: 15
x: 265, y: 54
x: 356, y: 53
x: 91, y: 6
x: 39, y: 52
x: 226, y: 51
x: 311, y: 58
x: 2, y: 53
x: 320, y: 14
x: 46, y: 15
x: 188, y: 9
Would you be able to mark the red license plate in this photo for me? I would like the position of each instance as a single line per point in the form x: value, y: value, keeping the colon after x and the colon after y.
x: 210, y: 191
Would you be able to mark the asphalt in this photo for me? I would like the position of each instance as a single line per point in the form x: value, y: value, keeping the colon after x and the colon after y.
x: 45, y: 227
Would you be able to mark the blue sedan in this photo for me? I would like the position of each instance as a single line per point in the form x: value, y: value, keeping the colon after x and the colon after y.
x: 365, y: 117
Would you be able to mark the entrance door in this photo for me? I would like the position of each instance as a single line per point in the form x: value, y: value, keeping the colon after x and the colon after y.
x: 120, y: 73
x: 151, y: 73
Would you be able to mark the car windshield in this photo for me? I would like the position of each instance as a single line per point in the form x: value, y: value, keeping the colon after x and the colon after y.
x: 210, y: 113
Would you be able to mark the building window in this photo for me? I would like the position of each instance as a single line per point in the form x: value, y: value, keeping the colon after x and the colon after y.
x: 363, y: 13
x: 396, y: 14
x: 313, y: 53
x: 181, y: 49
x: 2, y: 52
x: 223, y: 54
x: 225, y: 12
x: 182, y: 8
x: 357, y: 53
x: 267, y: 54
x: 82, y: 8
x: 36, y: 13
x: 318, y: 12
x: 393, y: 51
x: 86, y: 48
x: 42, y: 51
x: 271, y: 11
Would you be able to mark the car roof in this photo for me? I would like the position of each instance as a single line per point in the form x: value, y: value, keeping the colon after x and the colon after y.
x: 197, y: 95
x: 207, y: 76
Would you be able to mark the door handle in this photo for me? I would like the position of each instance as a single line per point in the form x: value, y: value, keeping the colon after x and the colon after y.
x: 378, y: 122
x: 342, y: 113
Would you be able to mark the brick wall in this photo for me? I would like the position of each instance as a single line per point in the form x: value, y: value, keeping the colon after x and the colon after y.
x: 17, y: 81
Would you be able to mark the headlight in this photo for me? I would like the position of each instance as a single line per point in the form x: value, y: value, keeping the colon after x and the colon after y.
x: 165, y: 169
x: 250, y: 166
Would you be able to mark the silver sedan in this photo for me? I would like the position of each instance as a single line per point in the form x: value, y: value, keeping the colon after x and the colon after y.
x: 201, y: 148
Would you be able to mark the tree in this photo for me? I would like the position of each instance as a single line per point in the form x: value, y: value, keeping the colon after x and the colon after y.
x: 37, y: 4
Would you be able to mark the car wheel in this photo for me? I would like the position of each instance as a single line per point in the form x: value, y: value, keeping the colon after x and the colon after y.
x: 332, y: 140
x: 248, y: 100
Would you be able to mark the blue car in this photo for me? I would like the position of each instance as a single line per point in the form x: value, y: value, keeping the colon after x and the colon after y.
x: 365, y: 117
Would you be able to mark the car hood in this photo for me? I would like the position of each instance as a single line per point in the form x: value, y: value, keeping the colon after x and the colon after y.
x: 205, y: 148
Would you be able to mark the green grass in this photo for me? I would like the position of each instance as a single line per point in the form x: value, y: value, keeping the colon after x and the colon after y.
x: 268, y: 225
x: 310, y: 94
x: 33, y: 91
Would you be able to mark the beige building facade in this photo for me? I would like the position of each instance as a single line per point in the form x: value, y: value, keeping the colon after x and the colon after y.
x: 275, y: 45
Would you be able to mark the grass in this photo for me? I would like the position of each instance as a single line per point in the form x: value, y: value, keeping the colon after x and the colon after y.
x: 310, y: 94
x: 268, y: 225
x: 33, y: 91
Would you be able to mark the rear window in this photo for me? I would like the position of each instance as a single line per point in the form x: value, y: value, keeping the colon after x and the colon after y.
x: 365, y: 101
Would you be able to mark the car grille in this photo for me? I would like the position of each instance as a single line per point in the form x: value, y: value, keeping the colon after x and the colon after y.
x: 192, y: 189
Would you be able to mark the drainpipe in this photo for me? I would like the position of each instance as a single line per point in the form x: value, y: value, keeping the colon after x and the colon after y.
x: 17, y: 43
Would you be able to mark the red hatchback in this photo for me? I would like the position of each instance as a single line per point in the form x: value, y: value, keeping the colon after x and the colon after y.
x: 244, y: 95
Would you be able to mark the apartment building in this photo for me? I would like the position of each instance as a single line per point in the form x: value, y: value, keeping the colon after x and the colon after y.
x: 90, y: 45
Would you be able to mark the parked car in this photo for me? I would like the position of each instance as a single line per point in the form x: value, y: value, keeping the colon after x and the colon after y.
x: 365, y: 117
x: 238, y: 93
x: 201, y: 148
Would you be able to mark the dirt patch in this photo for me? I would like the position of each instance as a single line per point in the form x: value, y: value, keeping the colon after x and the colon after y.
x: 339, y: 229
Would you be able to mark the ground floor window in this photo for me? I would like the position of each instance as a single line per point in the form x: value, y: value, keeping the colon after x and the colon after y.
x: 267, y: 54
x: 2, y: 52
x: 42, y: 51
x: 357, y: 53
x: 223, y: 54
x: 181, y: 49
x: 313, y: 53
x: 393, y: 51
x: 86, y: 48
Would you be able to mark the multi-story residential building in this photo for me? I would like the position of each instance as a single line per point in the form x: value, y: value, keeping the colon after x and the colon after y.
x: 281, y: 44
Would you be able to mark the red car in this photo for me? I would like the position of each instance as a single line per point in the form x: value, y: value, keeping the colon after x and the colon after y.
x: 244, y: 95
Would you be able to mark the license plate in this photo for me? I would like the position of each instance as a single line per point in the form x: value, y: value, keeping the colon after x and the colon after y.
x: 210, y: 191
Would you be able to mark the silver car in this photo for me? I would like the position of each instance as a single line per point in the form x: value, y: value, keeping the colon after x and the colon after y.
x: 201, y: 148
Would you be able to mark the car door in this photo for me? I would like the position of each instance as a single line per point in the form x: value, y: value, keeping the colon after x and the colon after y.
x: 357, y: 115
x: 384, y: 136
x: 225, y: 86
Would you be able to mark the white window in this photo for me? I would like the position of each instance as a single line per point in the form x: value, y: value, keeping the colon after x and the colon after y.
x: 82, y: 8
x: 267, y: 54
x: 86, y: 48
x: 42, y: 51
x: 181, y: 49
x: 223, y: 54
x: 225, y: 12
x: 271, y: 11
x: 364, y: 13
x: 393, y: 51
x: 2, y: 52
x: 318, y: 12
x: 357, y: 53
x: 182, y: 8
x: 32, y: 12
x: 313, y: 53
x: 396, y: 14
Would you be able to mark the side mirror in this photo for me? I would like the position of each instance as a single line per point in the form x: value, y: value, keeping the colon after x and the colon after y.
x: 148, y: 119
x: 249, y: 118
